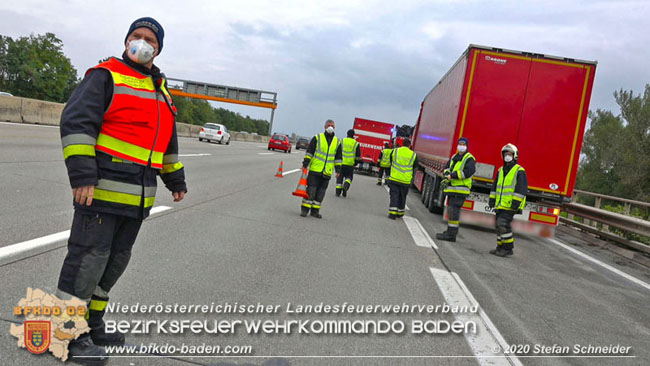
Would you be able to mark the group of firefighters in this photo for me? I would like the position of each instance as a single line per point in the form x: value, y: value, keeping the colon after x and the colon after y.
x: 118, y: 135
x: 326, y: 155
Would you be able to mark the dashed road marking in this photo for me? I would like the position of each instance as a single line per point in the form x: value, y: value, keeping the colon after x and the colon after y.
x: 291, y: 171
x: 418, y: 233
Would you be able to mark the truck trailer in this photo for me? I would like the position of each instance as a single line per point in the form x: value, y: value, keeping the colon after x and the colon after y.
x: 495, y: 96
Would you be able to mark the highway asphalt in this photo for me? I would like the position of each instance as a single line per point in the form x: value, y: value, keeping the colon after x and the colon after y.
x: 238, y: 238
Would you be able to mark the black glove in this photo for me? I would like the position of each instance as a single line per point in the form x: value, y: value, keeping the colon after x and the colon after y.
x: 305, y: 163
x: 491, y: 203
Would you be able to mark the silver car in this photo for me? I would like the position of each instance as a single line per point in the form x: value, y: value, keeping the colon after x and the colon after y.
x: 215, y: 132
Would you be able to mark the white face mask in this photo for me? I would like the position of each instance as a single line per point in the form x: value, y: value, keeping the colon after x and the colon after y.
x: 140, y: 51
x: 330, y: 130
x: 507, y: 158
x: 461, y: 148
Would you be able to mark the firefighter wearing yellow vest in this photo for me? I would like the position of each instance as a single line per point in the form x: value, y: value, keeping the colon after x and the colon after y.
x: 384, y: 162
x: 351, y: 152
x: 508, y: 199
x: 118, y: 134
x: 323, y: 158
x: 402, y: 162
x: 458, y: 172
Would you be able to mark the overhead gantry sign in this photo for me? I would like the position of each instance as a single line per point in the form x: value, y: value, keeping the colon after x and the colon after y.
x: 226, y: 94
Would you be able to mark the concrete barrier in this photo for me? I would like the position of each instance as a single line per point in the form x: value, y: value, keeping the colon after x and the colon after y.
x: 41, y: 112
x: 10, y: 109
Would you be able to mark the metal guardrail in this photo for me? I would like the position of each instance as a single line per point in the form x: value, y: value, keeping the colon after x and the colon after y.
x: 608, y: 219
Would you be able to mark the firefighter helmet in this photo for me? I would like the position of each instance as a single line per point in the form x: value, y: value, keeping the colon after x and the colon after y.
x: 512, y: 148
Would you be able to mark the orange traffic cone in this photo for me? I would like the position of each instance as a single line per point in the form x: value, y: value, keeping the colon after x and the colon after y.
x: 279, y: 173
x: 301, y: 190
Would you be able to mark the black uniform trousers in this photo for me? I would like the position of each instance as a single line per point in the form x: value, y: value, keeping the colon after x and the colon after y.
x: 316, y: 188
x: 382, y: 172
x: 398, y: 192
x: 505, y: 238
x: 99, y: 249
x: 455, y: 204
x: 344, y: 179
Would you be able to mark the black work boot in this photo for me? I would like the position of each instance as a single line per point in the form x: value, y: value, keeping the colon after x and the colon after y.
x: 379, y: 183
x: 304, y: 211
x: 346, y: 186
x: 83, y: 351
x: 392, y: 217
x: 501, y: 252
x: 338, y: 192
x: 314, y: 213
x: 446, y: 236
x: 101, y: 338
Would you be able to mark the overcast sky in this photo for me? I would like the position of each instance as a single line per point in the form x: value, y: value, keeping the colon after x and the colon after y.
x: 341, y: 59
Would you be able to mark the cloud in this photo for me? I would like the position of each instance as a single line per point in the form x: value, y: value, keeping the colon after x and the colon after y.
x: 340, y: 59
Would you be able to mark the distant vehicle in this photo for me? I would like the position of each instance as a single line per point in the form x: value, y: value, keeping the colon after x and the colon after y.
x: 254, y: 133
x: 280, y: 142
x: 493, y: 97
x: 244, y: 132
x: 302, y: 143
x: 5, y: 94
x: 215, y: 132
x: 371, y: 136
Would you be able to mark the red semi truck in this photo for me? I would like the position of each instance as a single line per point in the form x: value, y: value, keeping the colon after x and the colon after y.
x: 372, y: 135
x: 496, y: 96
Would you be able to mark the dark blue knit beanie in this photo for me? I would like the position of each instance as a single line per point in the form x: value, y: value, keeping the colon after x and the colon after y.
x: 151, y: 23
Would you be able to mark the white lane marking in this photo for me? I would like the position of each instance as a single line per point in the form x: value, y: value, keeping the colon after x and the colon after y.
x: 406, y: 207
x: 27, y: 124
x: 290, y: 172
x: 606, y: 266
x: 186, y: 155
x: 267, y: 153
x: 419, y: 235
x: 29, y: 245
x: 18, y: 251
x: 159, y: 209
x: 487, y: 343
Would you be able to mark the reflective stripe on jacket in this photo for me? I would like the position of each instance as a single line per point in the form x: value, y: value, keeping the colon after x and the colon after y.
x: 324, y: 157
x: 401, y: 165
x: 504, y: 193
x: 349, y: 151
x: 464, y: 184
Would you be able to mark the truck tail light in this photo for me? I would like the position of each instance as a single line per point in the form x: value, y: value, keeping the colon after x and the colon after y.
x: 556, y: 211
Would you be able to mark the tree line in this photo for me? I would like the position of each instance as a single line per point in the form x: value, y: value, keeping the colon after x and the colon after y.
x: 198, y: 112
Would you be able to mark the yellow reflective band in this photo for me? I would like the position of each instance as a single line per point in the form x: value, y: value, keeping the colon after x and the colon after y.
x: 97, y: 305
x: 85, y: 150
x: 123, y: 198
x: 131, y: 150
x: 145, y: 83
x: 170, y: 168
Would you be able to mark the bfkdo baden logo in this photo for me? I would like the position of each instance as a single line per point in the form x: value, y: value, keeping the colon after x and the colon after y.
x: 50, y: 323
x: 37, y: 335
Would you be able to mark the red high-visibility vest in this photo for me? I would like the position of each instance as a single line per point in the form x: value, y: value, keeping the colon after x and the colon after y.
x: 139, y: 121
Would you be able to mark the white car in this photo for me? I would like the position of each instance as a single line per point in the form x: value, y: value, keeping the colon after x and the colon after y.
x: 5, y: 94
x: 215, y: 132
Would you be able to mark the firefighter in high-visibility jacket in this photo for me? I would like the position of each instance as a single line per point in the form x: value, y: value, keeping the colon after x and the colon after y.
x: 351, y: 152
x: 118, y: 134
x: 323, y: 158
x: 508, y: 199
x: 384, y: 162
x: 402, y: 162
x: 458, y: 174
